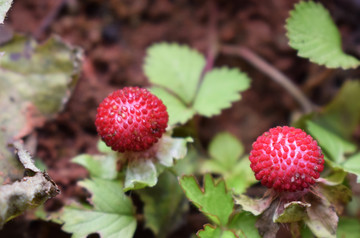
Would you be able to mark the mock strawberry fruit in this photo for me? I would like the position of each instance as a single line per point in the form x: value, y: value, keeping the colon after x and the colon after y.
x: 131, y: 119
x: 286, y: 159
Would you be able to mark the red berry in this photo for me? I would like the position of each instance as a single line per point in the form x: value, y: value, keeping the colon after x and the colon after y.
x: 286, y: 159
x: 131, y: 119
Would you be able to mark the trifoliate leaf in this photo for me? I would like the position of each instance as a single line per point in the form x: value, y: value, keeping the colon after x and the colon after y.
x: 352, y: 165
x: 215, y: 232
x: 220, y: 87
x: 331, y: 143
x: 225, y: 150
x: 112, y: 214
x: 313, y: 33
x: 348, y: 228
x: 100, y: 166
x: 244, y: 225
x: 139, y: 174
x: 4, y: 7
x: 176, y: 68
x: 164, y: 205
x: 177, y: 110
x: 213, y: 199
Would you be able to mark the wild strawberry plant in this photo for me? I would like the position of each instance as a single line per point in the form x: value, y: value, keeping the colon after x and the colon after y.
x: 146, y: 150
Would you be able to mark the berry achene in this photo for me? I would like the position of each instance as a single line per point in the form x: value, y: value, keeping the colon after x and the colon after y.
x: 131, y: 119
x: 286, y: 159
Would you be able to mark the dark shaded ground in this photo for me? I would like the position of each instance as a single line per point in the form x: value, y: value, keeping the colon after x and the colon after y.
x: 115, y: 34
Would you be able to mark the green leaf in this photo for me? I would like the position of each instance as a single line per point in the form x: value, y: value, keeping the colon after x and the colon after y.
x: 164, y: 205
x: 139, y: 174
x: 352, y: 165
x: 112, y: 214
x: 171, y: 149
x: 344, y: 109
x: 100, y: 166
x: 244, y: 225
x: 226, y: 149
x: 313, y: 33
x: 215, y: 232
x: 177, y: 110
x: 4, y: 7
x: 348, y: 228
x: 213, y: 199
x: 331, y: 143
x: 176, y: 68
x: 220, y: 87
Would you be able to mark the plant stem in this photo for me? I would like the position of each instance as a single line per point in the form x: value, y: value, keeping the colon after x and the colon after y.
x: 273, y: 73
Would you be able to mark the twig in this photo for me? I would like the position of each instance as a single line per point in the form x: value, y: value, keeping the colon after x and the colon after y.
x: 272, y: 72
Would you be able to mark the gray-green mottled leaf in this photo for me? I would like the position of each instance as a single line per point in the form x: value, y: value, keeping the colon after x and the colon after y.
x: 220, y: 87
x: 171, y: 149
x: 164, y: 205
x: 4, y: 8
x: 215, y: 232
x: 244, y: 225
x: 35, y: 83
x: 100, y: 166
x: 314, y: 34
x: 177, y: 110
x: 111, y: 216
x: 348, y: 228
x: 213, y: 199
x: 175, y: 67
x: 333, y: 144
x: 29, y: 192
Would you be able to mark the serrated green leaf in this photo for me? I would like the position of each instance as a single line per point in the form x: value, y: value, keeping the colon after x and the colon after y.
x: 213, y: 199
x: 177, y: 110
x: 352, y: 165
x: 314, y: 34
x: 175, y: 67
x: 215, y: 232
x: 140, y: 173
x: 220, y: 87
x: 348, y: 228
x: 331, y: 143
x: 100, y: 166
x: 164, y: 205
x: 244, y: 225
x: 226, y: 149
x: 112, y: 214
x: 4, y: 8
